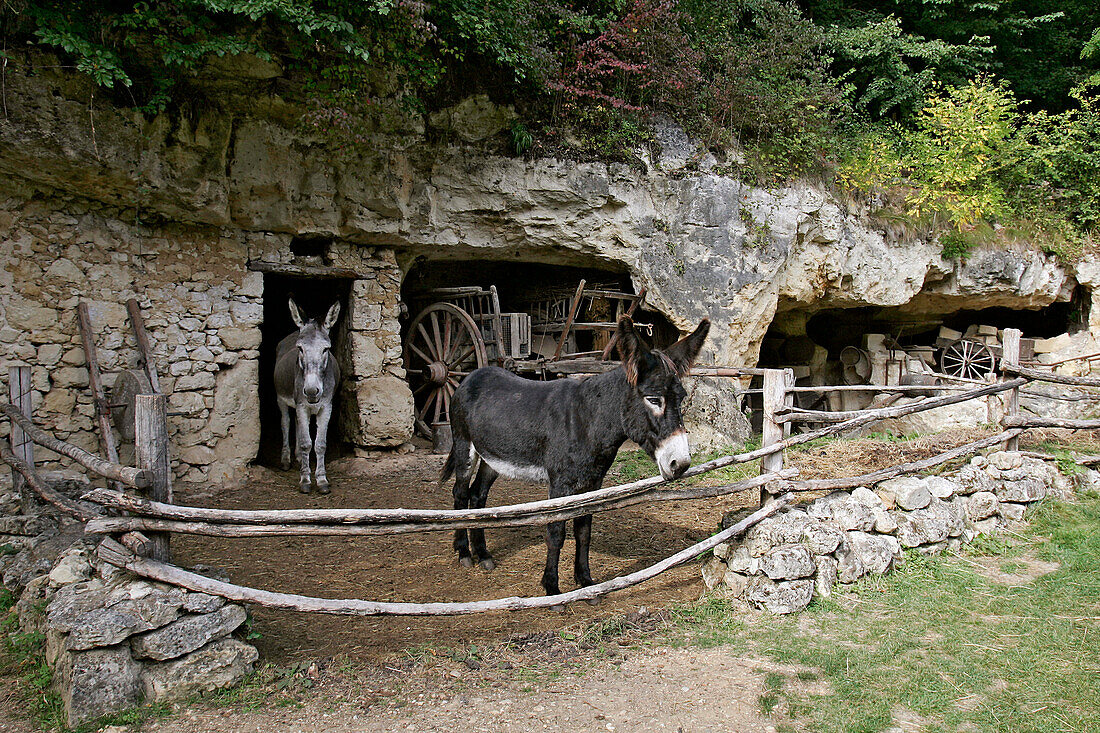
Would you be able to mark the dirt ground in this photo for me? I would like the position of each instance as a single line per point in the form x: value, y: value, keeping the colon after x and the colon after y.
x: 423, y: 567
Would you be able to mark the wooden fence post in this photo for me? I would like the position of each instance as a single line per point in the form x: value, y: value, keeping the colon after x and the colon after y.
x: 19, y: 394
x: 775, y: 399
x: 151, y: 452
x: 1010, y: 354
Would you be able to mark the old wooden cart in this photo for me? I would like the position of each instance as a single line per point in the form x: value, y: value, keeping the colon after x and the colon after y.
x: 459, y: 329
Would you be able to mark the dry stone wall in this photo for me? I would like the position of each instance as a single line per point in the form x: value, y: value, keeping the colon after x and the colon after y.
x: 114, y: 641
x: 784, y: 561
x: 203, y: 309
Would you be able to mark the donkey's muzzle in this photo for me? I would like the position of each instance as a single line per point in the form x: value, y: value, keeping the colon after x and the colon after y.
x: 673, y: 455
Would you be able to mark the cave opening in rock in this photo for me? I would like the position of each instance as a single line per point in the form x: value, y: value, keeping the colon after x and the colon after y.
x: 314, y: 295
x: 451, y: 310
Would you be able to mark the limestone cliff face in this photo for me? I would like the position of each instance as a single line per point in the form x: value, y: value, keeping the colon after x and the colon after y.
x: 703, y: 243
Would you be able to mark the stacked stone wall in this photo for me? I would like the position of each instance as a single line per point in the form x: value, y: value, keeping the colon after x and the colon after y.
x: 203, y: 309
x: 787, y: 559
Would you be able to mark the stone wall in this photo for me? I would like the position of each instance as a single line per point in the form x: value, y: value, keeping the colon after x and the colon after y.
x: 114, y: 641
x: 783, y: 561
x: 204, y: 310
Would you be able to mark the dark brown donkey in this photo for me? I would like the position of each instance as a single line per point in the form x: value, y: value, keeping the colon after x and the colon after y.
x: 567, y: 433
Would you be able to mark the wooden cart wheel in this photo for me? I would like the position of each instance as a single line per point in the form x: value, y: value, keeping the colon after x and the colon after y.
x: 128, y: 384
x: 443, y: 345
x: 968, y: 359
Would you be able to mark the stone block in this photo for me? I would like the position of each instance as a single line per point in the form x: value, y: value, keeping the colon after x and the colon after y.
x: 780, y: 597
x: 935, y: 523
x: 187, y: 633
x: 202, y: 603
x: 378, y: 412
x: 219, y: 664
x: 1010, y: 511
x: 787, y: 562
x: 825, y: 576
x: 863, y: 553
x: 96, y: 682
x: 1027, y: 489
x: 366, y: 358
x: 236, y: 339
x: 909, y: 492
x: 981, y: 505
x: 713, y: 570
x: 940, y: 487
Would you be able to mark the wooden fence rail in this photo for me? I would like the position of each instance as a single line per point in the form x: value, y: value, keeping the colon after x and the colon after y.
x: 159, y: 516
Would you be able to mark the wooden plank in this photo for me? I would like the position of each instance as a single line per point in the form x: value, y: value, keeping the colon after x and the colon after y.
x: 145, y: 348
x: 569, y: 321
x: 102, y: 409
x: 134, y: 477
x: 319, y: 271
x: 118, y: 555
x: 187, y: 522
x: 19, y: 390
x: 151, y: 454
x: 775, y: 395
x: 1010, y: 343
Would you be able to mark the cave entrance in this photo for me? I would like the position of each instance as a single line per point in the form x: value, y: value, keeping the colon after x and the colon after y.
x: 314, y: 295
x: 452, y: 305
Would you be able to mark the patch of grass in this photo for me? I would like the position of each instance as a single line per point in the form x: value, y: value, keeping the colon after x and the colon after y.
x: 135, y: 716
x: 939, y: 639
x: 22, y: 657
x: 773, y: 689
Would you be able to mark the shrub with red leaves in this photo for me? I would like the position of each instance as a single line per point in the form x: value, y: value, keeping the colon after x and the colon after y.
x: 641, y: 63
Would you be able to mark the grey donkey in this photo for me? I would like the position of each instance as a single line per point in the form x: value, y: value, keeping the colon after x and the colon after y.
x: 306, y: 377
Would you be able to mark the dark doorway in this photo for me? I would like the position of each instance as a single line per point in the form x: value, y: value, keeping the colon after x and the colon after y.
x: 314, y: 296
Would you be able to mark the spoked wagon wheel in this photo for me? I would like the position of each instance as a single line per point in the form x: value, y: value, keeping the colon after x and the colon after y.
x: 443, y: 345
x: 968, y: 359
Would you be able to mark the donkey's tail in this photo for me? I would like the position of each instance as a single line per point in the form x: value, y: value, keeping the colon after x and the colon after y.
x: 448, y: 467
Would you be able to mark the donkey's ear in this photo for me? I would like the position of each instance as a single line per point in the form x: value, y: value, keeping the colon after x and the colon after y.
x: 296, y: 314
x: 684, y: 352
x: 333, y: 314
x: 632, y: 351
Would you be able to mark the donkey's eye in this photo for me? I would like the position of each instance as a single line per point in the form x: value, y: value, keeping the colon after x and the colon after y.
x: 656, y: 401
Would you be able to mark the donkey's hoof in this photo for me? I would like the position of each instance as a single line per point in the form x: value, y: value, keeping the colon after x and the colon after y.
x: 285, y: 464
x: 558, y: 608
x: 488, y: 564
x: 323, y: 488
x: 593, y: 601
x: 304, y: 488
x: 466, y: 562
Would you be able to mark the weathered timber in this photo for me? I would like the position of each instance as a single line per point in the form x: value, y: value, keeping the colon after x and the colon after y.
x: 138, y: 542
x: 321, y: 271
x: 576, y: 306
x: 1021, y: 421
x: 19, y: 390
x: 905, y: 388
x: 1088, y: 461
x: 151, y: 453
x: 145, y: 348
x: 776, y: 383
x: 471, y: 518
x: 81, y: 511
x: 867, y: 479
x: 134, y: 477
x: 95, y: 381
x: 864, y: 416
x: 1041, y: 375
x: 116, y: 554
x: 1010, y: 354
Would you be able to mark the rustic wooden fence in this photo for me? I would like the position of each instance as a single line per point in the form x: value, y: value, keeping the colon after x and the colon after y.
x: 143, y: 516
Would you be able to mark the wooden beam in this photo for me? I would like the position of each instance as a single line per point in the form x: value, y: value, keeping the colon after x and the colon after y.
x: 81, y: 511
x: 102, y: 409
x: 151, y: 454
x: 577, y: 299
x: 775, y: 399
x: 1021, y: 421
x: 874, y: 477
x: 1041, y: 375
x: 145, y: 348
x: 184, y: 518
x: 319, y: 271
x: 116, y: 554
x: 1010, y: 354
x: 134, y: 477
x: 19, y: 390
